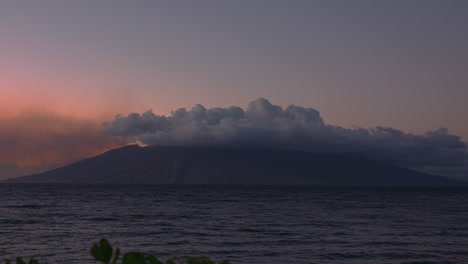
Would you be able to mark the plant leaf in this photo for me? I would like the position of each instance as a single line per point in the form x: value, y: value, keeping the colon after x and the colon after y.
x: 199, y: 260
x: 134, y: 258
x: 20, y: 261
x: 102, y: 252
x: 173, y: 260
x: 152, y: 259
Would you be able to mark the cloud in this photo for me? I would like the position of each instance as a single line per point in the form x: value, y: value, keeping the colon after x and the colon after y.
x: 40, y: 139
x: 265, y: 124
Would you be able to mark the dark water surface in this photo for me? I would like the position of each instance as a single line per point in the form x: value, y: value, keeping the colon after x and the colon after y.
x: 243, y: 224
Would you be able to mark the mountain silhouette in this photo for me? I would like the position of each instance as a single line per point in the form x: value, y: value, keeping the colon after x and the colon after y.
x: 215, y: 165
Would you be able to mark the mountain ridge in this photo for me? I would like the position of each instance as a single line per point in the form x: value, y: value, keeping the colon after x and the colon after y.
x: 134, y: 164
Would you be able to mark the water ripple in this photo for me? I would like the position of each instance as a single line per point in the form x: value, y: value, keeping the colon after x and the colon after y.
x: 245, y: 224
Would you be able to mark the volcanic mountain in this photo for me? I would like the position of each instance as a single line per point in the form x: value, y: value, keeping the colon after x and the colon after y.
x: 209, y: 165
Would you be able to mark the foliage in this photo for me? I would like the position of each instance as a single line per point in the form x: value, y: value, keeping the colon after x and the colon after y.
x: 104, y: 253
x: 20, y: 261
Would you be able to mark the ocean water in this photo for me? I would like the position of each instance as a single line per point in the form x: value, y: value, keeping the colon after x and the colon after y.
x: 243, y: 224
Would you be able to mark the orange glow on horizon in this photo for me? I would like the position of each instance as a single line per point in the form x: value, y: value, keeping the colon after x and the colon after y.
x: 36, y: 139
x: 42, y: 123
x: 38, y: 126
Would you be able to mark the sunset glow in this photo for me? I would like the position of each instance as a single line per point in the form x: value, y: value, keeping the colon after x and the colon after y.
x: 246, y: 131
x: 69, y: 67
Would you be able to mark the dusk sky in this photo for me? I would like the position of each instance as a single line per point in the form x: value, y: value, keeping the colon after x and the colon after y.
x: 68, y: 66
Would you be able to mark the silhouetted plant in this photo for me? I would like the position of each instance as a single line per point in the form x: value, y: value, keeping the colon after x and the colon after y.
x: 20, y: 261
x: 103, y: 252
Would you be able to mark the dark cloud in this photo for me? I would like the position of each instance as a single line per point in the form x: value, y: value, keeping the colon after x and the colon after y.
x: 265, y: 124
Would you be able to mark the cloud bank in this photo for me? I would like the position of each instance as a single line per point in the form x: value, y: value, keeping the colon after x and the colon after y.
x: 265, y: 124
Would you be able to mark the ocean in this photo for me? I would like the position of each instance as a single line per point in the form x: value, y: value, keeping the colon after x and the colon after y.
x: 242, y: 224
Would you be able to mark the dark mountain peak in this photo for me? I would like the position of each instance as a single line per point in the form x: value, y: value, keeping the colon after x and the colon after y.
x: 233, y: 165
x: 127, y: 150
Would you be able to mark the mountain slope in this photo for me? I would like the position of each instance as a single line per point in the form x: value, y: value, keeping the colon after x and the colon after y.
x: 196, y: 165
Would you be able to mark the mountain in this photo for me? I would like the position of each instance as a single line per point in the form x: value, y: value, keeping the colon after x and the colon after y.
x: 202, y: 165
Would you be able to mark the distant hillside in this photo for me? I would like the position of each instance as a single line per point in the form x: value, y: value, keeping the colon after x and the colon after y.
x: 197, y: 165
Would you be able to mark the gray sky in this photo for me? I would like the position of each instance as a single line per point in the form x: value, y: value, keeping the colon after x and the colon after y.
x: 400, y: 64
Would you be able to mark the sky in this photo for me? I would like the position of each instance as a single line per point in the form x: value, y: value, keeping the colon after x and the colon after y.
x: 69, y: 66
